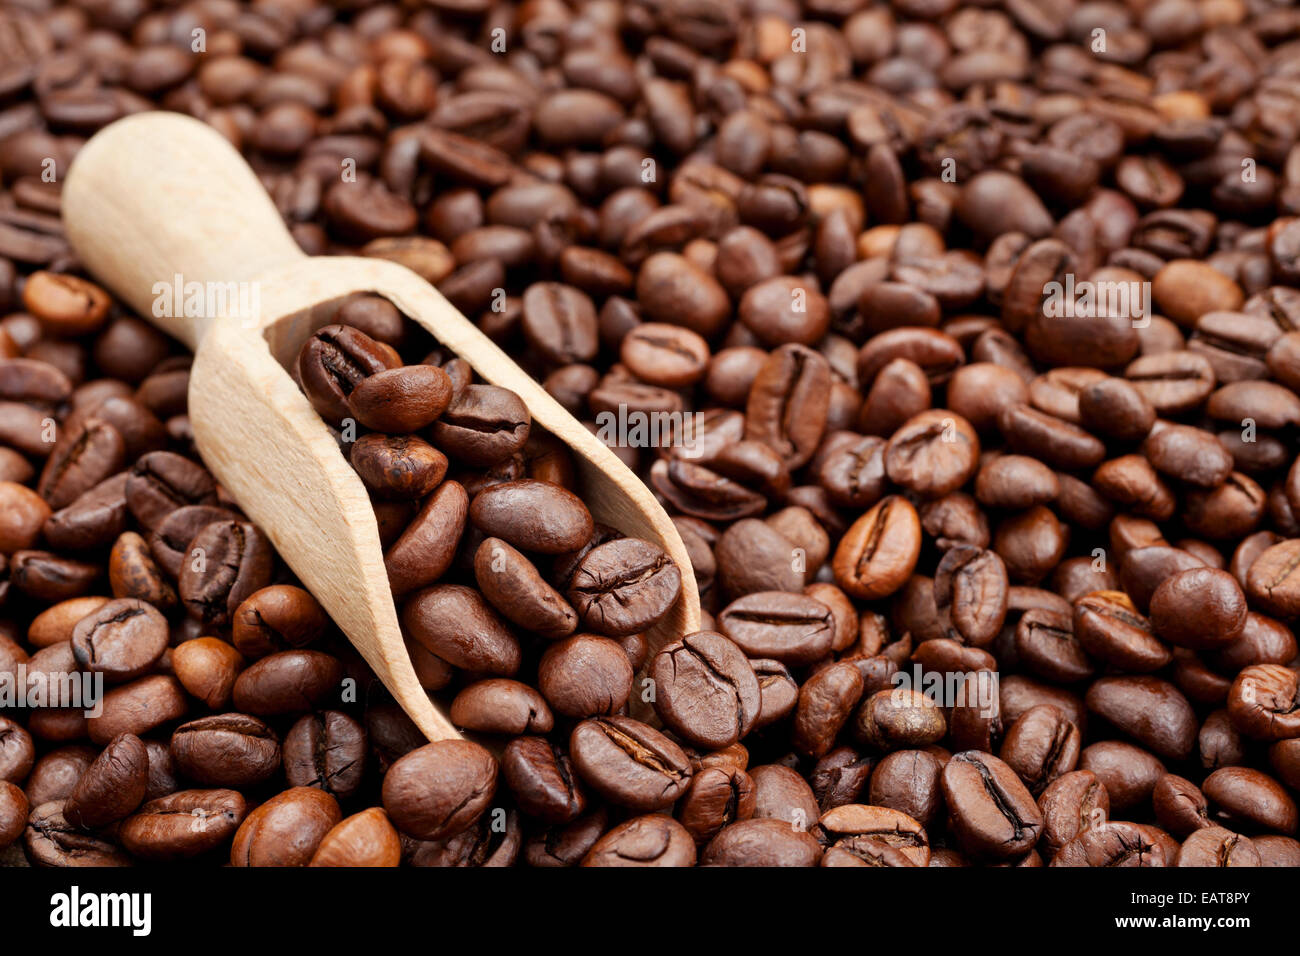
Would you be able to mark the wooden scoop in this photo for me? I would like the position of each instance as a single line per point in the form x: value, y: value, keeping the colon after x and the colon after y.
x: 157, y: 196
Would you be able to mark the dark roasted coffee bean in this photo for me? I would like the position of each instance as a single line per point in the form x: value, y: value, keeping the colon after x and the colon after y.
x: 325, y: 750
x: 1215, y: 846
x: 705, y: 690
x: 112, y: 787
x: 789, y: 628
x: 183, y: 825
x: 622, y: 587
x: 226, y: 562
x: 991, y: 811
x: 1072, y: 804
x: 532, y: 515
x: 629, y: 763
x: 285, y: 830
x: 123, y: 639
x: 162, y: 482
x: 483, y: 425
x: 543, y: 781
x: 287, y: 682
x: 762, y: 842
x: 398, y: 466
x: 50, y: 839
x: 228, y: 750
x: 788, y: 403
x: 439, y: 789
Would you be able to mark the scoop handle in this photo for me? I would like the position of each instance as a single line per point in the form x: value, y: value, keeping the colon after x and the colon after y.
x: 163, y: 210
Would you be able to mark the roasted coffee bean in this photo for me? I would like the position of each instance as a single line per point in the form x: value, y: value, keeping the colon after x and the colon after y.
x: 1262, y: 703
x: 789, y: 628
x: 629, y: 763
x: 334, y: 361
x: 788, y: 403
x: 543, y: 781
x: 1274, y: 581
x: 1042, y: 745
x: 162, y: 482
x: 762, y: 842
x: 402, y: 399
x: 285, y: 830
x: 279, y: 617
x: 1215, y: 846
x: 532, y: 515
x: 81, y: 460
x: 51, y: 840
x: 705, y: 690
x: 826, y: 701
x: 894, y: 719
x: 1247, y: 798
x: 1109, y: 627
x: 1109, y: 845
x: 653, y: 840
x: 482, y: 425
x: 287, y: 682
x: 501, y: 706
x: 1152, y: 711
x: 1072, y: 804
x: 363, y: 839
x: 207, y: 667
x: 970, y: 594
x: 123, y: 639
x: 402, y: 467
x: 623, y: 586
x: 513, y: 585
x: 228, y: 750
x: 879, y: 552
x: 856, y: 830
x: 456, y: 624
x: 325, y: 750
x: 425, y: 550
x: 1200, y: 608
x: 112, y: 787
x: 585, y: 676
x: 992, y: 813
x: 439, y: 789
x: 183, y: 825
x: 933, y: 453
x: 227, y: 561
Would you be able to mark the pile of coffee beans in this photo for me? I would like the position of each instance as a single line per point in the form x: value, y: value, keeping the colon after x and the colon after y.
x: 988, y: 317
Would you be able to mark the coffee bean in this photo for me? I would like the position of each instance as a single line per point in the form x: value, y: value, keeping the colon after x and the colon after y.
x: 112, y: 787
x: 762, y: 842
x: 880, y: 550
x: 285, y: 830
x: 785, y: 627
x: 705, y: 690
x: 992, y: 813
x: 1215, y: 846
x: 287, y: 682
x: 629, y: 763
x: 228, y: 750
x: 439, y: 789
x: 325, y: 750
x: 227, y: 561
x: 123, y: 639
x: 183, y: 825
x: 363, y: 839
